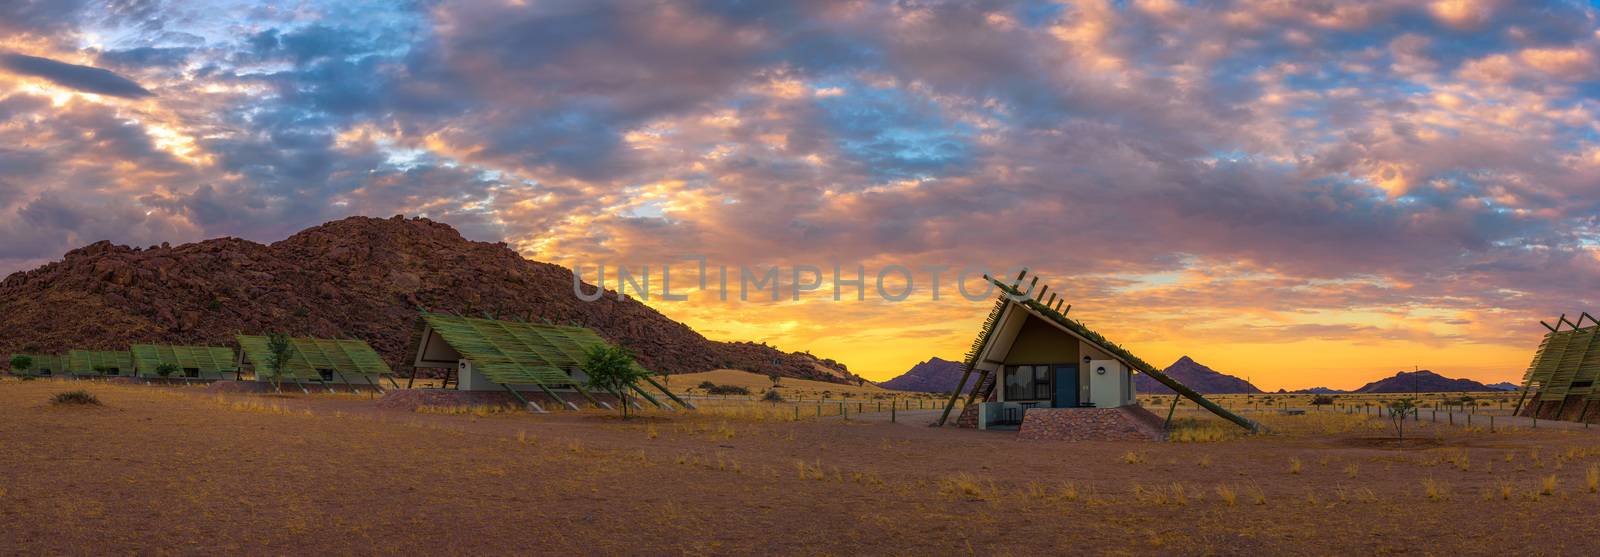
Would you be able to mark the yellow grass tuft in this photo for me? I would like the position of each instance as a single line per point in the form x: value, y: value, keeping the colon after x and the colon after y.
x: 478, y: 410
x: 1228, y: 494
x: 1204, y: 461
x: 1294, y: 465
x: 1592, y: 478
x: 968, y: 486
x: 1435, y: 490
x: 1547, y: 486
x: 1351, y: 469
x: 1133, y: 458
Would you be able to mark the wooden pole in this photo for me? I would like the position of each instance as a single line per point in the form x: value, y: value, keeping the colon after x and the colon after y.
x: 1168, y: 424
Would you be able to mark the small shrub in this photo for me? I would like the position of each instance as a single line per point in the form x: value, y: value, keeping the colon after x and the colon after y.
x: 772, y: 396
x: 728, y: 390
x: 707, y: 385
x: 79, y: 397
x: 166, y: 370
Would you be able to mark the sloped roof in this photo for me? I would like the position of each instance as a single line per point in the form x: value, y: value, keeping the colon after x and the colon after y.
x: 1010, y: 295
x: 207, y: 359
x: 1566, y: 363
x: 343, y: 356
x: 56, y: 363
x: 85, y: 361
x: 514, y: 352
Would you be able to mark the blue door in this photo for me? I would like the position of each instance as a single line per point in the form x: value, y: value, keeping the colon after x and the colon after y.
x: 1066, y: 380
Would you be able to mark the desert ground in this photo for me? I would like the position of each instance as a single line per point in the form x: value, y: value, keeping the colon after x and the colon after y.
x: 178, y: 470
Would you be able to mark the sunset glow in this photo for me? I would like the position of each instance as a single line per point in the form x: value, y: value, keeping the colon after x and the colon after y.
x: 1301, y: 193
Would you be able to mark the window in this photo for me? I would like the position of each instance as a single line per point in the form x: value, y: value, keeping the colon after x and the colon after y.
x: 1027, y: 383
x: 191, y: 372
x: 327, y: 374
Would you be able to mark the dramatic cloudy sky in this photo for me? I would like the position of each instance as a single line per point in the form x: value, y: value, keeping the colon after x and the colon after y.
x: 1307, y: 193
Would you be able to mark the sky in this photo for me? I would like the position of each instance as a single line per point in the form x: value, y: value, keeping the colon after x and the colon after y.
x: 1315, y: 193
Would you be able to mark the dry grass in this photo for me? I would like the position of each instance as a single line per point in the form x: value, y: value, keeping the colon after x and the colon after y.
x: 1435, y: 490
x: 704, y: 483
x: 479, y: 410
x: 1228, y: 495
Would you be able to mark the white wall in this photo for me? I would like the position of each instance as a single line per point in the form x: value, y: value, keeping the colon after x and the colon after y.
x: 1107, y: 389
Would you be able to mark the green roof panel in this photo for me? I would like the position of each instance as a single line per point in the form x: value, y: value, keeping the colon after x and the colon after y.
x: 512, y: 352
x: 206, y: 359
x: 309, y: 355
x: 88, y: 362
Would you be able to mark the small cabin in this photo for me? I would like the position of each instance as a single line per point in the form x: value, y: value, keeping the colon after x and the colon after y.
x: 190, y: 362
x: 515, y: 357
x: 320, y: 361
x: 1051, y: 377
x: 1039, y: 363
x: 45, y: 365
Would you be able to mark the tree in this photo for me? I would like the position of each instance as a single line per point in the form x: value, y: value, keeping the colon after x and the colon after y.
x: 1321, y: 400
x: 1398, y: 409
x: 167, y: 369
x: 775, y: 378
x: 279, y: 350
x: 611, y: 369
x: 22, y: 366
x: 772, y: 396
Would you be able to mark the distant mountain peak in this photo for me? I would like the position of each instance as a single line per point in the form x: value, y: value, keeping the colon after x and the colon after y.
x: 935, y: 375
x: 1196, y: 376
x: 1422, y: 381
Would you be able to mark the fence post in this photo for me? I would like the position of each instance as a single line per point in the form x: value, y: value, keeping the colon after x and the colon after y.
x: 892, y: 416
x: 819, y: 410
x: 1491, y: 423
x: 844, y: 411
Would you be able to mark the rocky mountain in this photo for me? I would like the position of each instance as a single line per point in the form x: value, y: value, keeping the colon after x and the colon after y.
x: 1196, y: 376
x: 1423, y: 381
x: 360, y: 277
x: 1503, y: 386
x: 936, y: 375
x: 1316, y: 391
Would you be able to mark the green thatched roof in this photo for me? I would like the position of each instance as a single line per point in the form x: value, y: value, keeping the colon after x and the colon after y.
x: 84, y: 362
x: 344, y: 357
x: 513, y: 352
x: 56, y: 363
x: 1566, y: 363
x: 207, y: 359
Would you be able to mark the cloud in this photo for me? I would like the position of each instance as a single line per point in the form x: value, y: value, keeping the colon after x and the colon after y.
x: 1400, y: 176
x: 83, y: 78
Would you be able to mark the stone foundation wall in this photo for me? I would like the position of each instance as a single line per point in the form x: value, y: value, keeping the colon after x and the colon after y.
x: 1088, y: 424
x: 1569, y: 411
x: 969, y: 417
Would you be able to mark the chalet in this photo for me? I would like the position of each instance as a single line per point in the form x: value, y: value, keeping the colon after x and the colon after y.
x: 317, y: 361
x: 190, y: 362
x: 1032, y: 362
x: 515, y: 357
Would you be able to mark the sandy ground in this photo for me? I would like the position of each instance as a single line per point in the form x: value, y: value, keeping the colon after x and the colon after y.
x: 161, y: 470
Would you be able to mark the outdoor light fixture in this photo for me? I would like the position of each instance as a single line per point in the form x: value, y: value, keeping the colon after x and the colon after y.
x: 1100, y: 370
x: 1086, y: 361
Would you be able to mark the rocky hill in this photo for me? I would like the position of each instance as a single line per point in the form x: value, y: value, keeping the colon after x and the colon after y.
x: 1423, y: 381
x: 1196, y: 376
x: 360, y: 277
x: 936, y: 375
